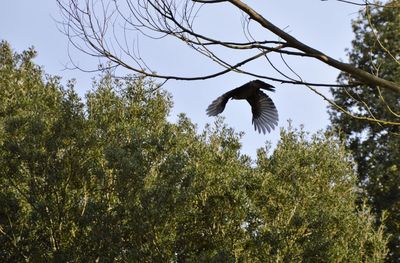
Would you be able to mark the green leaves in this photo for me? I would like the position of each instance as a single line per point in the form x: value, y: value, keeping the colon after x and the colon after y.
x: 308, y: 191
x: 111, y: 180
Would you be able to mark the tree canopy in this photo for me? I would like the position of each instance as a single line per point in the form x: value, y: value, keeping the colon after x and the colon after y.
x: 109, y: 179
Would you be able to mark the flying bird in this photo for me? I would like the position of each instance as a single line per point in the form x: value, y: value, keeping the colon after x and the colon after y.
x: 265, y: 115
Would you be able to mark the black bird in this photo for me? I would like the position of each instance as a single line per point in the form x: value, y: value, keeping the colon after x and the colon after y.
x: 265, y: 115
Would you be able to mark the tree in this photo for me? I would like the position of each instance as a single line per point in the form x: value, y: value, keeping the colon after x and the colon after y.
x: 43, y: 159
x: 376, y: 148
x: 111, y: 180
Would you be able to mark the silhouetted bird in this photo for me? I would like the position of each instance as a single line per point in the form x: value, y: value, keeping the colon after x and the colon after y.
x: 265, y: 115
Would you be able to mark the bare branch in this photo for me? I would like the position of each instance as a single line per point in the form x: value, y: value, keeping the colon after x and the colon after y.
x: 88, y: 30
x: 341, y: 109
x: 293, y: 42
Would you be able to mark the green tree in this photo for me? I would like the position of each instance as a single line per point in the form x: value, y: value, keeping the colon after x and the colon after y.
x: 375, y: 147
x: 111, y: 180
x: 42, y: 157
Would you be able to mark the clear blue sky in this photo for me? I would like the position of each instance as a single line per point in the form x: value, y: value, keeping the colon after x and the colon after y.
x: 325, y: 25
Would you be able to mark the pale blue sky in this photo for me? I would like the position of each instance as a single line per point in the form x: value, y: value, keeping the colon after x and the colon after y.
x: 325, y: 25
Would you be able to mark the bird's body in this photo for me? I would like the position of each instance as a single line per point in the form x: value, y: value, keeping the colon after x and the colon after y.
x: 265, y: 115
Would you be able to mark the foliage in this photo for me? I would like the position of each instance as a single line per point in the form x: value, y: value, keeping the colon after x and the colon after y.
x: 111, y: 180
x: 376, y: 148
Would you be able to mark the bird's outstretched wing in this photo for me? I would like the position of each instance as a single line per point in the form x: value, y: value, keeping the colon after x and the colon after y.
x: 265, y: 115
x: 218, y: 105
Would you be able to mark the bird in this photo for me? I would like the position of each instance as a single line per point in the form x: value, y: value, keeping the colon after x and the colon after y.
x: 265, y: 114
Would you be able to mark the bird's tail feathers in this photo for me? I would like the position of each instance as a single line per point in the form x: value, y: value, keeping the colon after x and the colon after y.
x: 262, y: 85
x: 269, y: 88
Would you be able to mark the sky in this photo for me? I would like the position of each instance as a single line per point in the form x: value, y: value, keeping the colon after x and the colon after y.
x: 324, y: 25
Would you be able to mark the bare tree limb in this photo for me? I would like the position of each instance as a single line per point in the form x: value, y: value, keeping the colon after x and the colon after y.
x: 87, y: 32
x: 106, y: 30
x: 162, y: 17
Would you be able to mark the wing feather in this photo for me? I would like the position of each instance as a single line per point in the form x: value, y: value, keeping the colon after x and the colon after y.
x: 265, y: 115
x: 218, y: 105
